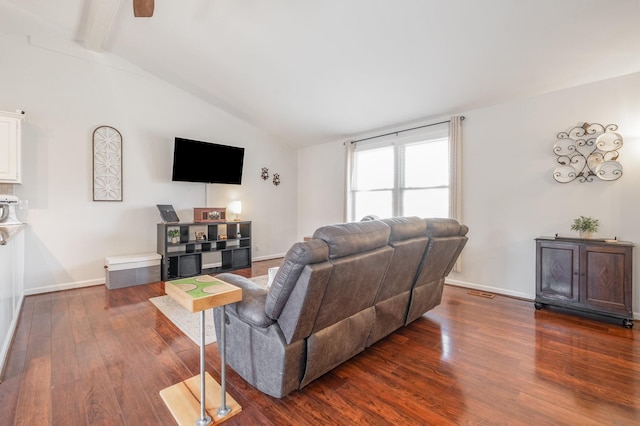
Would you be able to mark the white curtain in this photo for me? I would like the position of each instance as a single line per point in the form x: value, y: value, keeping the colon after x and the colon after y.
x: 455, y: 170
x: 455, y: 167
x: 349, y: 148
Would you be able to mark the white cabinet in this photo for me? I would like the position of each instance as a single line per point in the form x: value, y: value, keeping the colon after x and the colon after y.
x: 10, y: 147
x: 11, y: 286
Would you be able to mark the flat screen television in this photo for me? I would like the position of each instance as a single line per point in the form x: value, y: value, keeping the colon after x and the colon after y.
x: 197, y: 161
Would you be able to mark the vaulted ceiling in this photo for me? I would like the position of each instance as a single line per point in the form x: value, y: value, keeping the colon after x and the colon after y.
x: 312, y: 71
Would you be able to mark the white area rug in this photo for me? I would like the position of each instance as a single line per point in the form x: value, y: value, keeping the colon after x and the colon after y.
x: 261, y: 280
x: 189, y: 322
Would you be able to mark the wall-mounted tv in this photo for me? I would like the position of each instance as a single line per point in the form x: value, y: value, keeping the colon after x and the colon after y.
x: 197, y: 161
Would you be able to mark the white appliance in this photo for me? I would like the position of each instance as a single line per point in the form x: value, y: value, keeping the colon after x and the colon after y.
x: 8, y: 210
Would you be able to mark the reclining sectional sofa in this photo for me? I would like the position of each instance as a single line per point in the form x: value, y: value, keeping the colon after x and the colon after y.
x: 333, y: 296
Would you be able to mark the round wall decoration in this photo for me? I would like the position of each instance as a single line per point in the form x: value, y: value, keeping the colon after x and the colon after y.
x: 107, y: 164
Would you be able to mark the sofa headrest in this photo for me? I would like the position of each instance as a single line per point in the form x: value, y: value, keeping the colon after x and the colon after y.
x: 350, y: 238
x: 404, y: 228
x: 298, y: 256
x: 441, y: 227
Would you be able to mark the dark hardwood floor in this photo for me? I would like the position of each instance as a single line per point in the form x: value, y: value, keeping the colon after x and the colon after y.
x: 100, y: 357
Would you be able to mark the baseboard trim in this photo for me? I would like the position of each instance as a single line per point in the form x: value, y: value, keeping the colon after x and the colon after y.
x: 456, y: 283
x: 497, y: 290
x: 100, y: 281
x: 268, y: 257
x: 65, y: 286
x: 525, y: 296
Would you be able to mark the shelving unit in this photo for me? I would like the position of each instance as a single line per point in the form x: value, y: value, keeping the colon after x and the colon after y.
x: 225, y: 246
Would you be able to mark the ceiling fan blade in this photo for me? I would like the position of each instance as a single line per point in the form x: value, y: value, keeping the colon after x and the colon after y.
x: 143, y: 8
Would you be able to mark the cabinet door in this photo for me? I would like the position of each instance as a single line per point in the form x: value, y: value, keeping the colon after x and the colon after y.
x: 605, y: 281
x: 557, y: 271
x: 6, y: 296
x: 9, y: 149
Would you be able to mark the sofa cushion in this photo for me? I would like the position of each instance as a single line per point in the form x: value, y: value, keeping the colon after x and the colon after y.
x: 298, y: 256
x: 404, y: 228
x: 351, y: 238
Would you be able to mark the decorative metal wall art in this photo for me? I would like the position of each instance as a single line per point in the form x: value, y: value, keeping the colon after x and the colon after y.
x: 587, y: 152
x: 107, y: 164
x: 265, y: 175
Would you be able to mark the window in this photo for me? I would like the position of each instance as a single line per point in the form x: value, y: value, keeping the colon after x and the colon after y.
x: 404, y: 174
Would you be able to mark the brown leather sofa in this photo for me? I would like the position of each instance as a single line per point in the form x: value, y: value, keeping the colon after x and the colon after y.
x: 335, y: 295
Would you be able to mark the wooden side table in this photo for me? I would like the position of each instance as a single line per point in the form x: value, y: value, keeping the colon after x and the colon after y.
x: 198, y: 294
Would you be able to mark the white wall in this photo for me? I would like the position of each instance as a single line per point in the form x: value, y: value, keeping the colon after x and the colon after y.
x: 67, y: 92
x: 321, y: 180
x: 509, y: 195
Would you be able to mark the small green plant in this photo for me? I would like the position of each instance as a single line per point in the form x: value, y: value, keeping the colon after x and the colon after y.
x: 173, y: 233
x: 585, y: 224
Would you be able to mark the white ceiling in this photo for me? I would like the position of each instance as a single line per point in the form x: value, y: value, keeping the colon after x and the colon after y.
x: 312, y: 71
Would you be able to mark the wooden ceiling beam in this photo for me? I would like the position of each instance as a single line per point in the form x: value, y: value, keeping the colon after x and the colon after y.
x: 99, y: 21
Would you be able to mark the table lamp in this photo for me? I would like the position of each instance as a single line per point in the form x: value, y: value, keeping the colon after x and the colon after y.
x: 236, y: 208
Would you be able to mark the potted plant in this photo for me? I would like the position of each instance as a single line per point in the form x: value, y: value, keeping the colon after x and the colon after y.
x: 174, y: 234
x: 586, y: 226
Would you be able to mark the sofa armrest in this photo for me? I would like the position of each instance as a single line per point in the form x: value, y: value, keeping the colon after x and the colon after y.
x: 251, y: 308
x: 443, y: 227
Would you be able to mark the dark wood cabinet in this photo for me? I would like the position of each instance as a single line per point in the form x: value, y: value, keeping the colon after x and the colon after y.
x: 591, y: 276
